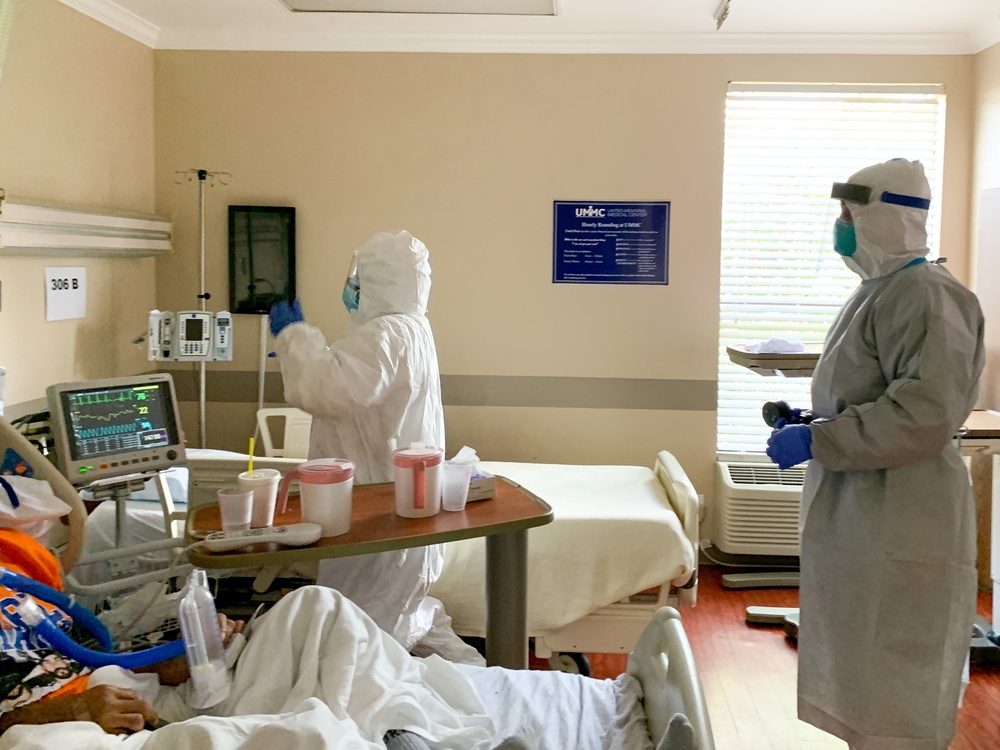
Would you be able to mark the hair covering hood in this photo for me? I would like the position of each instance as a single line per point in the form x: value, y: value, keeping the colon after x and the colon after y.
x: 888, y: 236
x: 394, y: 275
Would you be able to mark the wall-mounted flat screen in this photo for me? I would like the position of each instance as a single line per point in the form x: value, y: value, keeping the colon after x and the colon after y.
x: 261, y: 257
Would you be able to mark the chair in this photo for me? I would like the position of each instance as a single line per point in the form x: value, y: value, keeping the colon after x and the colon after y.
x: 297, y: 424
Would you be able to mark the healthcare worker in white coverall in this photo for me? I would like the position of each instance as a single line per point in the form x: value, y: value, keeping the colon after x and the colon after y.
x: 888, y: 577
x: 374, y: 390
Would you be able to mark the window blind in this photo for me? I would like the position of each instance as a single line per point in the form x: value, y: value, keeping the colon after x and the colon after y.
x: 784, y: 147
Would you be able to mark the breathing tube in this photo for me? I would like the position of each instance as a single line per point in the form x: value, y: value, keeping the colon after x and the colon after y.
x: 30, y: 615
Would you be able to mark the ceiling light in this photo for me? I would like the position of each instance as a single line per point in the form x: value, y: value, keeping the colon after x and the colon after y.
x: 487, y: 7
x: 721, y: 14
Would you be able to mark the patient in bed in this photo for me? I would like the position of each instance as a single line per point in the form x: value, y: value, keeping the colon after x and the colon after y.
x: 317, y: 672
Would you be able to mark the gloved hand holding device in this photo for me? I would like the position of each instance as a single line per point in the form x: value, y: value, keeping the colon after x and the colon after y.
x: 790, y: 445
x: 284, y: 314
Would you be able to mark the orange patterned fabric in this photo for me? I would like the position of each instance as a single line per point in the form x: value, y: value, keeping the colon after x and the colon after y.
x: 22, y: 554
x: 29, y: 670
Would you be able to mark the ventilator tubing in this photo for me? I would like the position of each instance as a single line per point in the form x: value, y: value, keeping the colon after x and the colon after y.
x: 32, y: 616
x: 80, y: 614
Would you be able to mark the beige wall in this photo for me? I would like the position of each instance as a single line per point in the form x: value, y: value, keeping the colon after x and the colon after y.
x: 468, y: 152
x: 76, y: 127
x: 986, y: 212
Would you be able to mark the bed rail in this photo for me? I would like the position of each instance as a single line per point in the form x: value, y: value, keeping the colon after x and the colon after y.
x: 663, y: 664
x: 687, y: 505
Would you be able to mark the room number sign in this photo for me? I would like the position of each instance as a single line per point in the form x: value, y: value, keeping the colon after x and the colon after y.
x: 65, y: 293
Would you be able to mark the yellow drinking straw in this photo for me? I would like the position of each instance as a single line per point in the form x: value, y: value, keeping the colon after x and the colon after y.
x: 250, y: 464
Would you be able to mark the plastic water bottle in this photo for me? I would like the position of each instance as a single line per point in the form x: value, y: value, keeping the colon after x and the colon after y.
x: 202, y: 643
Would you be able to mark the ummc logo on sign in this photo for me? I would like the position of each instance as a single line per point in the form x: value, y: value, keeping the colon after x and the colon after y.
x: 590, y: 212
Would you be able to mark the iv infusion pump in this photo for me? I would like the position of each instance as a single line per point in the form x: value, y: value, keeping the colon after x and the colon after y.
x: 190, y: 336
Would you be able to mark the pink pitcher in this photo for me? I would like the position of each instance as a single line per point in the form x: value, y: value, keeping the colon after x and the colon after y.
x: 418, y: 480
x: 325, y: 486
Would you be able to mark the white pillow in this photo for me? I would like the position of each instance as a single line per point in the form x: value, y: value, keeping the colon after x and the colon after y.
x: 29, y: 505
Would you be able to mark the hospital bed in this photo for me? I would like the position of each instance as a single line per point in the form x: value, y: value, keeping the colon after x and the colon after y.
x: 661, y: 661
x: 637, y: 711
x: 618, y: 532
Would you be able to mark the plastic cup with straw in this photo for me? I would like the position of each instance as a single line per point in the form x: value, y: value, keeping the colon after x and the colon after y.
x: 264, y: 484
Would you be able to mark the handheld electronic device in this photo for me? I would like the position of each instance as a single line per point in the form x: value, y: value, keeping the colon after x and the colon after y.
x: 223, y: 335
x: 293, y: 535
x: 194, y: 335
x: 110, y: 428
x: 772, y: 411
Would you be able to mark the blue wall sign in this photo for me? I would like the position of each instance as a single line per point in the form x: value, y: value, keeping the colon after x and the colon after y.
x: 610, y: 243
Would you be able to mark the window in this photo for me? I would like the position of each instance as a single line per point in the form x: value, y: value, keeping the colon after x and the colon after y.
x: 785, y: 146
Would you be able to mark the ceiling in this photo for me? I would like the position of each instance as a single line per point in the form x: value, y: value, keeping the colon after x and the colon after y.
x: 579, y: 26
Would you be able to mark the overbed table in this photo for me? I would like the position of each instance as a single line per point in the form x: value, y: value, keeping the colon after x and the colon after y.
x: 504, y: 520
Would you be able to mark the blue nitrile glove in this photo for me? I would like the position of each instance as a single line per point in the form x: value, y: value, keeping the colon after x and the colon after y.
x: 284, y: 314
x: 790, y: 445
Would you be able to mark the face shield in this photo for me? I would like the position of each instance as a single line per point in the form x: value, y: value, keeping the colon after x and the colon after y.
x: 845, y: 241
x: 352, y: 287
x: 883, y: 224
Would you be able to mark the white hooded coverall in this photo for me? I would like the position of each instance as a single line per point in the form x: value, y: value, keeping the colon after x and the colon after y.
x: 374, y: 390
x: 888, y: 578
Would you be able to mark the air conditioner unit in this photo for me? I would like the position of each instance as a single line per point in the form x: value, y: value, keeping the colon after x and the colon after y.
x: 758, y: 508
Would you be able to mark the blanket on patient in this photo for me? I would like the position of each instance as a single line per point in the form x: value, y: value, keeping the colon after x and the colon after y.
x: 317, y: 673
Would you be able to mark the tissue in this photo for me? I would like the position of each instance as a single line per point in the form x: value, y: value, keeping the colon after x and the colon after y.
x: 777, y: 345
x: 483, y: 484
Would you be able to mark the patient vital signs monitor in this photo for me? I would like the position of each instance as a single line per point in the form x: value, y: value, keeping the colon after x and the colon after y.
x: 111, y: 428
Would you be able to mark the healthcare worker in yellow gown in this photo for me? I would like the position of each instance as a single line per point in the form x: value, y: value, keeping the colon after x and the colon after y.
x: 373, y: 390
x: 888, y: 577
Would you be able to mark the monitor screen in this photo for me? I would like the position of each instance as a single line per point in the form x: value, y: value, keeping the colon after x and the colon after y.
x: 193, y: 329
x: 109, y: 428
x: 115, y: 420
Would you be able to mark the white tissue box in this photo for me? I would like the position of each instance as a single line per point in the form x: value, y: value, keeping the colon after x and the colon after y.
x: 482, y: 487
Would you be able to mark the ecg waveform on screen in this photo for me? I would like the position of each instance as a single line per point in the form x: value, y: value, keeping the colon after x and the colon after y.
x: 83, y: 418
x: 108, y: 397
x: 98, y: 432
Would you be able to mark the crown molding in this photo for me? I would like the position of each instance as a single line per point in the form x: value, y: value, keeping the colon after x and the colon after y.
x: 985, y: 36
x: 119, y: 19
x: 720, y: 43
x: 568, y: 43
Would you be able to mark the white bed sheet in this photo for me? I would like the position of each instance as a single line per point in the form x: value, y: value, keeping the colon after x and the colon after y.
x: 543, y: 710
x: 614, y: 534
x: 556, y: 710
x: 338, y: 681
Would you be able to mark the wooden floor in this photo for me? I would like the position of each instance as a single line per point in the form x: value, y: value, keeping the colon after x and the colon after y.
x: 748, y: 675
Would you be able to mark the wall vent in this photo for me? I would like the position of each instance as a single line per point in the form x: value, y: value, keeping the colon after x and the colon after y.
x: 758, y: 508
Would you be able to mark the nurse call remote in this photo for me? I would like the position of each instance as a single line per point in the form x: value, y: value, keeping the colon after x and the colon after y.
x: 293, y: 535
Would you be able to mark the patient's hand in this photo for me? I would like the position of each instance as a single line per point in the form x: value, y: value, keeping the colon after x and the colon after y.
x: 175, y: 671
x: 229, y: 628
x: 116, y: 710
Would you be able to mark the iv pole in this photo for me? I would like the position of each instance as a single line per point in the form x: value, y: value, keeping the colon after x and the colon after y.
x: 203, y: 176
